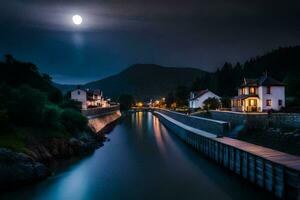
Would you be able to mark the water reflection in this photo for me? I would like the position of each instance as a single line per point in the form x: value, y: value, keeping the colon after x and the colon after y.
x: 139, y: 120
x: 157, y: 131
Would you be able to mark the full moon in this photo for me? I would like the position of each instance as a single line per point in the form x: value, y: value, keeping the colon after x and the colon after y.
x: 77, y: 19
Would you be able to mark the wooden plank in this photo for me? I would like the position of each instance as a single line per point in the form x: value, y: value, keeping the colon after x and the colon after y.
x: 278, y: 157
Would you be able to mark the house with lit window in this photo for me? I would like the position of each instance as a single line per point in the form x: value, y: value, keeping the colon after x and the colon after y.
x: 259, y: 95
x: 89, y: 98
x: 197, y: 98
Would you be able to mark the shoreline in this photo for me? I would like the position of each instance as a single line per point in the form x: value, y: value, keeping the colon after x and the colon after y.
x: 19, y: 169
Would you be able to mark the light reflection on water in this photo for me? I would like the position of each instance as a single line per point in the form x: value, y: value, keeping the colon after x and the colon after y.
x: 141, y: 161
x: 158, y: 131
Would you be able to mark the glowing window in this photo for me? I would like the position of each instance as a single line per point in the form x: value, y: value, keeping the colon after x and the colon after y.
x: 252, y: 90
x: 244, y: 91
x: 252, y: 102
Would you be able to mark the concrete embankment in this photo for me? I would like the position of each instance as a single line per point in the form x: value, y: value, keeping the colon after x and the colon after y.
x: 216, y: 127
x: 276, y: 172
x: 100, y: 123
x: 18, y: 169
x: 258, y: 121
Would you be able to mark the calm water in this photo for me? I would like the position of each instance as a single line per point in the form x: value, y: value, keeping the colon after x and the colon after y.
x: 143, y: 160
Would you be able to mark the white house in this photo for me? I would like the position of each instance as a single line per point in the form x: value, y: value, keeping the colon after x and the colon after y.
x: 197, y: 98
x: 259, y: 95
x: 89, y: 98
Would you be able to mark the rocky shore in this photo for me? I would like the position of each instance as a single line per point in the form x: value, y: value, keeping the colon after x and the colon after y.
x: 18, y: 169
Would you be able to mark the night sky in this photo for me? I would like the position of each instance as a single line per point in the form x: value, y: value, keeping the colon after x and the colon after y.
x: 117, y: 33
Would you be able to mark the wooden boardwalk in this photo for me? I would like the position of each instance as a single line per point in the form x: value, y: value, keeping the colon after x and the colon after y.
x: 278, y: 157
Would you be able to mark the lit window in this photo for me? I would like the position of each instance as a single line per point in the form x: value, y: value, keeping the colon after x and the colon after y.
x: 252, y: 90
x: 268, y: 90
x: 252, y: 102
x: 280, y: 102
x: 269, y: 102
x: 244, y: 91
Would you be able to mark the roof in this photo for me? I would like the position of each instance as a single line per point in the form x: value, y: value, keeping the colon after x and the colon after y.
x: 90, y: 92
x: 264, y: 80
x: 249, y: 82
x: 199, y: 94
x: 245, y: 96
x: 269, y: 81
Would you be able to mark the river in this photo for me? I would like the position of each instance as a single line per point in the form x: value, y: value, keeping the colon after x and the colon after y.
x: 142, y: 160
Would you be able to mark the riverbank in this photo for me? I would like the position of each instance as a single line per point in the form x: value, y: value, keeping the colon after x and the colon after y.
x: 22, y: 167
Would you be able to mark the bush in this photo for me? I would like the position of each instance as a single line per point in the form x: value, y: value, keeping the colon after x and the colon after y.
x: 4, y: 120
x: 73, y: 121
x: 226, y: 102
x: 126, y: 101
x: 211, y: 103
x: 69, y: 103
x: 51, y: 117
x: 55, y: 96
x: 26, y: 106
x: 181, y: 96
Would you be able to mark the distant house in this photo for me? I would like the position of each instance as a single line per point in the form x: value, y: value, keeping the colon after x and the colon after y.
x: 258, y: 95
x: 89, y: 98
x: 197, y: 98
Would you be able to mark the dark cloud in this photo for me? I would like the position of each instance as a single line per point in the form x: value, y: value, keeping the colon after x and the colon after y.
x: 116, y: 33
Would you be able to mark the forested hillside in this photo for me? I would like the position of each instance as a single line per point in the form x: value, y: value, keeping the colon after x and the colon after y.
x: 282, y: 64
x: 30, y: 107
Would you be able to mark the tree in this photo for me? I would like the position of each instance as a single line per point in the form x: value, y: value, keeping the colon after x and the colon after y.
x: 211, y: 103
x: 9, y: 59
x: 202, y: 83
x: 126, y: 101
x: 170, y: 99
x: 226, y: 102
x: 70, y: 103
x: 73, y: 121
x: 181, y: 95
x: 4, y: 120
x: 226, y: 83
x: 26, y: 106
x: 196, y: 85
x: 51, y: 118
x: 292, y: 82
x: 16, y: 73
x: 47, y: 78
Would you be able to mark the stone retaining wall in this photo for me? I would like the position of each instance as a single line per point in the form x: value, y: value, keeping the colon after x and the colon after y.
x: 250, y: 120
x: 258, y: 120
x: 99, y: 123
x: 95, y: 112
x: 212, y: 126
x: 291, y: 120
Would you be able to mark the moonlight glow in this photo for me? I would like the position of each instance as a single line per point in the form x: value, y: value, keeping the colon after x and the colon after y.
x: 77, y: 19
